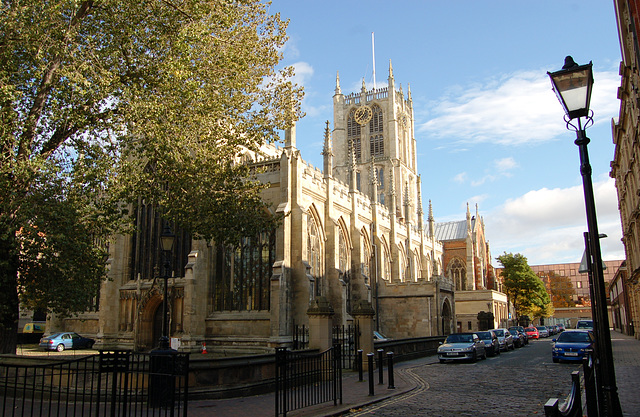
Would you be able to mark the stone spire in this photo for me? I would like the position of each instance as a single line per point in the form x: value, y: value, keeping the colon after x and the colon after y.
x: 290, y: 132
x: 409, y: 92
x: 338, y: 90
x: 374, y: 183
x: 327, y: 152
x: 352, y: 168
x: 431, y: 220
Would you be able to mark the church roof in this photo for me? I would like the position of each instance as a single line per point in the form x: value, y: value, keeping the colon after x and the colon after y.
x: 452, y: 230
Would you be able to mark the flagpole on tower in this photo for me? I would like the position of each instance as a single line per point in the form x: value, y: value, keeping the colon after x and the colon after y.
x: 373, y: 53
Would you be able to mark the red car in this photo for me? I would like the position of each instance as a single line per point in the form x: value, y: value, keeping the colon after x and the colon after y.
x: 532, y: 333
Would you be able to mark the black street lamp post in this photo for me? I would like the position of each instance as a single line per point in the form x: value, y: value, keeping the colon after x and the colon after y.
x: 573, y: 85
x: 162, y: 361
x: 166, y: 241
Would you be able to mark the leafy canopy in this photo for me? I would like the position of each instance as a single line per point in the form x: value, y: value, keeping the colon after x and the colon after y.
x: 105, y: 101
x: 523, y: 287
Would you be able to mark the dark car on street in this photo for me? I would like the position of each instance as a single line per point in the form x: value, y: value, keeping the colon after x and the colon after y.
x: 518, y: 338
x: 520, y: 329
x: 572, y: 345
x: 491, y: 342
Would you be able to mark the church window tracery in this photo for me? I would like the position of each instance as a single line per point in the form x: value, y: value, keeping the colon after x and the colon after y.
x: 314, y: 255
x: 458, y: 273
x: 243, y: 274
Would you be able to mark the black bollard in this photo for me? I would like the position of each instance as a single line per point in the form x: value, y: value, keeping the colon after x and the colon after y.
x: 370, y: 362
x: 360, y: 366
x: 380, y: 366
x: 390, y: 368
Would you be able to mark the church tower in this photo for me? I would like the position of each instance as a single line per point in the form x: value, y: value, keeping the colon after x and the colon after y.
x: 377, y: 127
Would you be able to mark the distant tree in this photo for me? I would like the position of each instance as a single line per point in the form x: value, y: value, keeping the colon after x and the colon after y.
x: 525, y: 290
x: 105, y: 101
x: 560, y: 288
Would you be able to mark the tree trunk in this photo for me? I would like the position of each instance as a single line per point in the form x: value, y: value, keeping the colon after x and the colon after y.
x: 9, y: 304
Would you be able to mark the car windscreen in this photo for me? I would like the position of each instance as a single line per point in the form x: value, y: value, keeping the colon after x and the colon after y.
x: 499, y: 333
x: 577, y: 337
x: 459, y: 338
x: 484, y: 335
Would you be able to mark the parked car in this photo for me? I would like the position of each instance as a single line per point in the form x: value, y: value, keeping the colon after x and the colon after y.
x: 518, y: 338
x: 552, y: 330
x: 520, y: 329
x: 543, y: 331
x: 561, y: 327
x: 66, y: 340
x: 532, y: 333
x: 584, y: 324
x: 505, y: 338
x: 460, y: 346
x: 35, y: 327
x: 491, y: 343
x: 572, y: 345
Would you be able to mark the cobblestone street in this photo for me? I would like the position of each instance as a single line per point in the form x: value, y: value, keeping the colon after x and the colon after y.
x: 517, y: 382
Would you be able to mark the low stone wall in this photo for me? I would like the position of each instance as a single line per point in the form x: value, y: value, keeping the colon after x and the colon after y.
x: 408, y: 349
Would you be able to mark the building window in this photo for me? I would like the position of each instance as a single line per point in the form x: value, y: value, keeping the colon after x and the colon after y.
x: 146, y: 253
x: 242, y: 280
x: 457, y: 273
x: 314, y: 255
x: 469, y: 325
x: 376, y: 146
x: 578, y: 284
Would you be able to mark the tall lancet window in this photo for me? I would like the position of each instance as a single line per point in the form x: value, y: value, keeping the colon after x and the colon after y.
x: 353, y: 135
x: 376, y: 140
x: 457, y: 272
x: 314, y: 255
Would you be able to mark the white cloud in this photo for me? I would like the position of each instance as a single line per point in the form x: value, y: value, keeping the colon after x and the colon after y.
x: 547, y: 225
x: 460, y: 178
x: 505, y: 164
x: 303, y: 72
x: 516, y: 109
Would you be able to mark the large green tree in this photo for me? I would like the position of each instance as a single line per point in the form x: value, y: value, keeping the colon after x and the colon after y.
x: 105, y: 101
x: 525, y: 290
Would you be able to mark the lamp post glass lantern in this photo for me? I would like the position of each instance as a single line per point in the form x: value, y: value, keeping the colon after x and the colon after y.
x: 166, y: 241
x: 573, y: 85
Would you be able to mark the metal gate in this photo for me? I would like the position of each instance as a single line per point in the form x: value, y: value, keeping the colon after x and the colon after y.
x: 304, y: 379
x: 349, y: 338
x: 111, y: 384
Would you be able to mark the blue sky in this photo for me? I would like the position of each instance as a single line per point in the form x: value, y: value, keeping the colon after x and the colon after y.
x: 489, y: 129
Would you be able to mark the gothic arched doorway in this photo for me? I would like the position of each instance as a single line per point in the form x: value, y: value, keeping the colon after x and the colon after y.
x: 446, y: 318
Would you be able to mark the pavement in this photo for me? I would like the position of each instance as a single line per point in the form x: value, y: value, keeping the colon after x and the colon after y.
x: 355, y: 394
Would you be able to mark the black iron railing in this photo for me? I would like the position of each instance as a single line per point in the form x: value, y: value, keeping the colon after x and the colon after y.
x: 111, y: 384
x: 304, y: 379
x: 349, y: 338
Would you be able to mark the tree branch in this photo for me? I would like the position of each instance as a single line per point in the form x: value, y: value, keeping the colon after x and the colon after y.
x: 46, y: 84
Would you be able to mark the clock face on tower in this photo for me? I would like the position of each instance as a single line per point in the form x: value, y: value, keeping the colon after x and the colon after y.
x: 363, y: 114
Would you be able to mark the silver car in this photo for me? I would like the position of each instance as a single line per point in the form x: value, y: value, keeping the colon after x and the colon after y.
x: 505, y: 338
x: 461, y: 346
x: 544, y: 332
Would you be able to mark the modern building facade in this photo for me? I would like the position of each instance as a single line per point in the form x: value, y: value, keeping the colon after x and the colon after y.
x: 625, y: 168
x: 569, y: 288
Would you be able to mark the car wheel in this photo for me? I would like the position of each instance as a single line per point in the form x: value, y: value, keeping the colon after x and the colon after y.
x: 60, y: 347
x: 474, y: 358
x: 496, y: 351
x: 90, y: 345
x: 484, y: 355
x: 556, y: 360
x: 442, y: 360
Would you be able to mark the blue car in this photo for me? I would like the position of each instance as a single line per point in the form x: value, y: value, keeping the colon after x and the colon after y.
x: 572, y: 345
x: 66, y: 340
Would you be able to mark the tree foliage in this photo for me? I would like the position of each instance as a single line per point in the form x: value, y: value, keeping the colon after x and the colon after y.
x: 560, y: 289
x: 525, y: 290
x: 105, y: 101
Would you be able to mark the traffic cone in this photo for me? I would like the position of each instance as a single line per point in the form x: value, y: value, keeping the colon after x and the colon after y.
x: 203, y: 350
